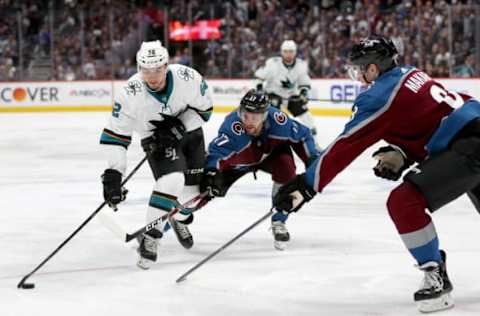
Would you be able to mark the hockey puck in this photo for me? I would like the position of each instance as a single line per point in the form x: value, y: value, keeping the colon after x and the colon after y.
x: 28, y: 286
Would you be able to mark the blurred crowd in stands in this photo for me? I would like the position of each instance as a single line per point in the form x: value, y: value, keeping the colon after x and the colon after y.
x: 87, y: 39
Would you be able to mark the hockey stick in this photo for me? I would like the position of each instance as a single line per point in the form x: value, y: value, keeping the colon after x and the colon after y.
x: 22, y: 283
x: 110, y: 223
x: 155, y: 222
x: 183, y: 277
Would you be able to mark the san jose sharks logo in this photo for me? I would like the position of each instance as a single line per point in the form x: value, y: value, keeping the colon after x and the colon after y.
x: 185, y: 74
x: 168, y: 125
x: 133, y: 87
x: 157, y: 124
x: 286, y: 84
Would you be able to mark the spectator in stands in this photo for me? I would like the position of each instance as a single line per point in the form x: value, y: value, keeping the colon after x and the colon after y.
x: 250, y: 31
x: 88, y: 69
x: 467, y: 70
x: 213, y: 71
x: 3, y: 74
x: 44, y: 41
x: 181, y: 57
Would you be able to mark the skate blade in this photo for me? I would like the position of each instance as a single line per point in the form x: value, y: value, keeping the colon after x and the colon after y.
x: 186, y: 243
x: 280, y: 245
x: 144, y: 264
x: 437, y: 304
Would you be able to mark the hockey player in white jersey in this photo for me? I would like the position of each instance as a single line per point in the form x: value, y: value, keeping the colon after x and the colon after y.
x: 166, y: 105
x: 285, y: 78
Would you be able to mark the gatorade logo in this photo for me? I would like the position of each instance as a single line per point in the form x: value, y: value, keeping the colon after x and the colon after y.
x: 30, y: 94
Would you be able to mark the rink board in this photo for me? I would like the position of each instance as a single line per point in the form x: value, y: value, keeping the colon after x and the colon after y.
x: 332, y: 97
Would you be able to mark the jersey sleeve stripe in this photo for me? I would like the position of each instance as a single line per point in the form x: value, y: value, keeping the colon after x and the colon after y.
x: 162, y: 201
x: 225, y: 159
x: 111, y: 138
x: 204, y: 114
x: 357, y: 126
x: 354, y: 128
x: 307, y: 86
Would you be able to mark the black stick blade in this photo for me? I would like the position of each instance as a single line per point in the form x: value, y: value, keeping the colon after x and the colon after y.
x: 181, y: 279
x: 28, y: 286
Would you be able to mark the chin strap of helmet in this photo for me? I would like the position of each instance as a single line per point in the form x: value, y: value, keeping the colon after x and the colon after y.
x: 366, y: 80
x: 364, y: 74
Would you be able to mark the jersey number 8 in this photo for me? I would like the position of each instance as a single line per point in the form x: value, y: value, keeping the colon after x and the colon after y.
x: 449, y: 97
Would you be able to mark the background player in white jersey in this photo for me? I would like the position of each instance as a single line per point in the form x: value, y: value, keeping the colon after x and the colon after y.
x: 285, y: 78
x: 166, y: 105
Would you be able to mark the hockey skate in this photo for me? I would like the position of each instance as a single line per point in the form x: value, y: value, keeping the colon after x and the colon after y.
x: 182, y: 232
x: 280, y: 235
x: 147, y: 251
x: 435, y: 290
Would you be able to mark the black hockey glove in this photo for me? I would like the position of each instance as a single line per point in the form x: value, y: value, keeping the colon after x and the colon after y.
x: 113, y: 193
x: 292, y: 196
x: 297, y: 104
x: 391, y: 163
x: 212, y: 182
x: 297, y: 100
x: 167, y: 133
x: 304, y: 95
x: 275, y: 100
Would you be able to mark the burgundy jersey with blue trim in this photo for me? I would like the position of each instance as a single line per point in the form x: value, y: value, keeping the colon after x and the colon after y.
x: 404, y: 107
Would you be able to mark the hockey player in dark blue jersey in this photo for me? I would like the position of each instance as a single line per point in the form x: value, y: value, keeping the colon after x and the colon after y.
x: 255, y: 137
x: 424, y: 123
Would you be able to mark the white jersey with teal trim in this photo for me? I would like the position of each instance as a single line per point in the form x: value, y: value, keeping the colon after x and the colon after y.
x: 186, y: 97
x: 284, y: 80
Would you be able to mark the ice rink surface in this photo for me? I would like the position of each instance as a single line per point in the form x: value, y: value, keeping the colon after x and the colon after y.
x: 345, y: 257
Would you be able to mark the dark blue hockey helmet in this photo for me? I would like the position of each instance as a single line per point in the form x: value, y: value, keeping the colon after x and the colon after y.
x: 255, y: 101
x: 376, y: 50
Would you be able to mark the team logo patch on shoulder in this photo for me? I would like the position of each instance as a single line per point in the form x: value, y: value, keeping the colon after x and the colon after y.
x: 280, y: 118
x: 133, y: 87
x: 185, y: 73
x: 237, y: 128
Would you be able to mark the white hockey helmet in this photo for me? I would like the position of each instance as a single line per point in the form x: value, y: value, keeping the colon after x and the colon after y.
x: 288, y: 45
x: 152, y: 55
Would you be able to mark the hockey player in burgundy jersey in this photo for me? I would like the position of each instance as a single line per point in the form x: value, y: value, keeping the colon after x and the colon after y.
x: 424, y: 123
x: 254, y: 137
